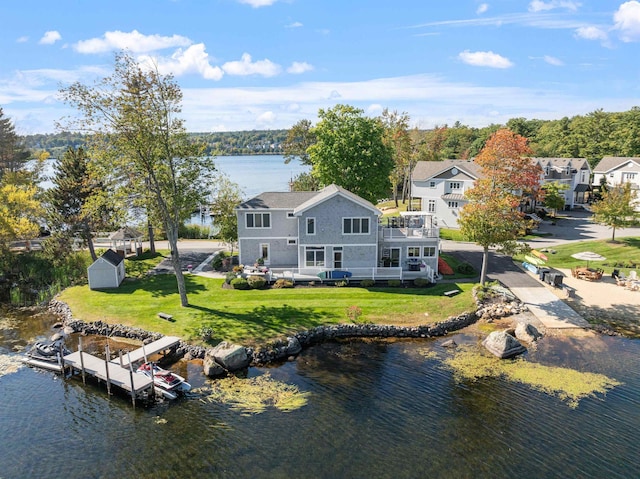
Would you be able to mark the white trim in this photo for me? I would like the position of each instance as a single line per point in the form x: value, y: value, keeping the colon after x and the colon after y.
x: 292, y: 241
x: 267, y: 259
x: 357, y: 218
x: 253, y: 213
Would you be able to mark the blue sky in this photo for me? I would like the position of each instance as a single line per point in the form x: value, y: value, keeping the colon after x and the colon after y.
x: 265, y: 64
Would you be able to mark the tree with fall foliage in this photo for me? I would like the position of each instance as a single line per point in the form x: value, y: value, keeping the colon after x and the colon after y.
x: 492, y: 218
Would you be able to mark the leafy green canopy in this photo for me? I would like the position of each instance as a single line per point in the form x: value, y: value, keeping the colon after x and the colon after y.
x: 350, y: 151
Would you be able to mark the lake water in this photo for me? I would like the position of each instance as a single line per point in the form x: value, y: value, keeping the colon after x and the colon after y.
x: 376, y: 409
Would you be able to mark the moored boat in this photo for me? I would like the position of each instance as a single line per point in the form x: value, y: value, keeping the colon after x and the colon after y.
x: 48, y: 351
x: 164, y: 379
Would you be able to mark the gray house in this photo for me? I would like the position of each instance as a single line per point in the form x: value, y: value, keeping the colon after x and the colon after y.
x: 334, y: 230
x: 107, y: 271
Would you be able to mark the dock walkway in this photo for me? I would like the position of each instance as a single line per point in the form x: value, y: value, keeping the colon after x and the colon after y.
x: 139, y: 354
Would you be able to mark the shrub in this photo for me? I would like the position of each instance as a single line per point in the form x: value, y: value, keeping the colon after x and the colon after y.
x: 342, y: 283
x: 421, y: 282
x: 216, y: 263
x: 230, y: 277
x: 239, y: 283
x: 443, y: 267
x: 394, y: 283
x: 256, y: 282
x: 205, y: 333
x: 367, y: 283
x: 465, y: 268
x: 283, y: 283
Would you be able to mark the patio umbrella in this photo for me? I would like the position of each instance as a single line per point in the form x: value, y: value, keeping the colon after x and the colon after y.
x: 588, y: 256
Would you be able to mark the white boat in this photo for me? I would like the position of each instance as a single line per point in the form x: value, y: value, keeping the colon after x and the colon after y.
x: 168, y: 382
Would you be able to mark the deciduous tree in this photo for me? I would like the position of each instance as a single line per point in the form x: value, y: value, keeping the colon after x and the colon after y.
x: 350, y: 152
x: 553, y: 195
x: 140, y: 140
x: 299, y: 138
x: 491, y: 218
x: 226, y: 196
x: 616, y: 208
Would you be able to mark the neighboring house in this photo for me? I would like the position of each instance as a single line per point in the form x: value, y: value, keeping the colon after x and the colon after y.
x: 107, y: 271
x: 617, y: 170
x: 333, y: 230
x: 573, y: 172
x: 441, y: 185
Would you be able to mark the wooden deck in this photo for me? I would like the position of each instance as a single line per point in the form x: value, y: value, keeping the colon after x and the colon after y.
x: 148, y: 349
x: 118, y: 376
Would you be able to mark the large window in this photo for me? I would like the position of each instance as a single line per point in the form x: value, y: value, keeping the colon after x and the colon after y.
x: 258, y: 220
x: 413, y: 252
x: 314, y: 256
x: 355, y: 226
x: 428, y: 251
x: 311, y: 226
x: 431, y: 206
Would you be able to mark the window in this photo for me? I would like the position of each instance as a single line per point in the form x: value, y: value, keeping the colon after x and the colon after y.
x: 428, y: 251
x: 452, y: 204
x: 455, y: 185
x: 355, y: 226
x: 413, y: 252
x: 432, y: 184
x: 311, y: 226
x: 292, y: 241
x: 431, y: 208
x: 264, y: 252
x: 290, y: 214
x: 628, y: 176
x: 314, y: 256
x: 258, y: 220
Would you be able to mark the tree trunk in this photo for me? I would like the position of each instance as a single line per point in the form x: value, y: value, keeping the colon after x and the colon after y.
x: 613, y: 234
x: 485, y: 260
x: 152, y: 239
x: 172, y: 236
x: 92, y: 249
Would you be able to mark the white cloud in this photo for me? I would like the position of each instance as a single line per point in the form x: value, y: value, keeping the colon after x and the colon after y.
x: 133, y: 41
x: 556, y: 62
x: 192, y: 60
x: 258, y: 3
x: 374, y: 109
x: 485, y: 59
x: 50, y: 37
x: 266, y: 118
x: 541, y: 6
x: 627, y: 21
x: 482, y: 8
x: 245, y: 67
x: 299, y: 67
x: 294, y: 25
x: 22, y: 39
x: 592, y: 33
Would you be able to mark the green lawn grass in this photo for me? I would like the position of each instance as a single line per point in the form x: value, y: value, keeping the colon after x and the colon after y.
x: 256, y: 316
x: 623, y: 254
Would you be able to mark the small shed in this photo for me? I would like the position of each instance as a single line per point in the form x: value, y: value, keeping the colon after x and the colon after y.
x: 107, y: 271
x: 126, y: 240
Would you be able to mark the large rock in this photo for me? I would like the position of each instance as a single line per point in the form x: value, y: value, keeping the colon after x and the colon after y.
x: 527, y: 332
x: 230, y: 356
x: 503, y: 345
x: 293, y: 346
x: 210, y: 367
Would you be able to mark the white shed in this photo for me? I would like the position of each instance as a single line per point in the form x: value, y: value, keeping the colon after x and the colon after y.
x: 107, y: 271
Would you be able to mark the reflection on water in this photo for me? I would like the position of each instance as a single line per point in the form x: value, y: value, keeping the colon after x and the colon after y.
x: 375, y: 409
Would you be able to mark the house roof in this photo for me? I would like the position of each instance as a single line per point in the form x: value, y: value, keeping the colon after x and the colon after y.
x: 574, y: 163
x: 453, y: 196
x: 300, y: 201
x: 125, y: 233
x: 609, y: 163
x: 112, y: 257
x: 425, y: 170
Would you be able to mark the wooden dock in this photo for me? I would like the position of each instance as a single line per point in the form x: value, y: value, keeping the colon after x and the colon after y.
x: 139, y: 354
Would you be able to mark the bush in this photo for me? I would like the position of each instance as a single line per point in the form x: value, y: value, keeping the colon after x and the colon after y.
x: 283, y: 283
x: 230, y: 277
x: 256, y: 282
x: 394, y: 283
x: 205, y: 333
x: 342, y: 284
x: 465, y: 268
x: 421, y: 282
x: 367, y: 283
x: 239, y: 283
x: 216, y: 263
x: 443, y: 266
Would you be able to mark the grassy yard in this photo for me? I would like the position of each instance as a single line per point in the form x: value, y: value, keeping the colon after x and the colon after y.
x: 255, y: 316
x: 624, y: 254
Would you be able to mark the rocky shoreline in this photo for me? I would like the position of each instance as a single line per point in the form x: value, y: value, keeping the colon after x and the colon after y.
x: 284, y: 349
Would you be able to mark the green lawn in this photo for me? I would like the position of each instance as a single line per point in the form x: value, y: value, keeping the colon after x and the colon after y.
x: 623, y: 255
x: 256, y: 316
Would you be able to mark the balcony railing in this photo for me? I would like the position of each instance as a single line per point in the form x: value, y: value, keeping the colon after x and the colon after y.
x: 387, y: 234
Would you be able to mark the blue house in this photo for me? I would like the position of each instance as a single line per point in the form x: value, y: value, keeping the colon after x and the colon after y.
x: 334, y: 230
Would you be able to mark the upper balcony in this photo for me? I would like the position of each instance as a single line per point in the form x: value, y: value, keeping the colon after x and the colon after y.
x: 411, y: 225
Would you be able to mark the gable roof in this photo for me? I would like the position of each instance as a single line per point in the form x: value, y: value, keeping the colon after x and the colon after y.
x: 574, y: 163
x: 125, y: 233
x: 425, y: 170
x: 330, y: 192
x: 608, y: 163
x: 112, y: 257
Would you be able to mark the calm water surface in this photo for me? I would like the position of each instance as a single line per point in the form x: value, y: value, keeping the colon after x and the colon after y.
x: 376, y: 410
